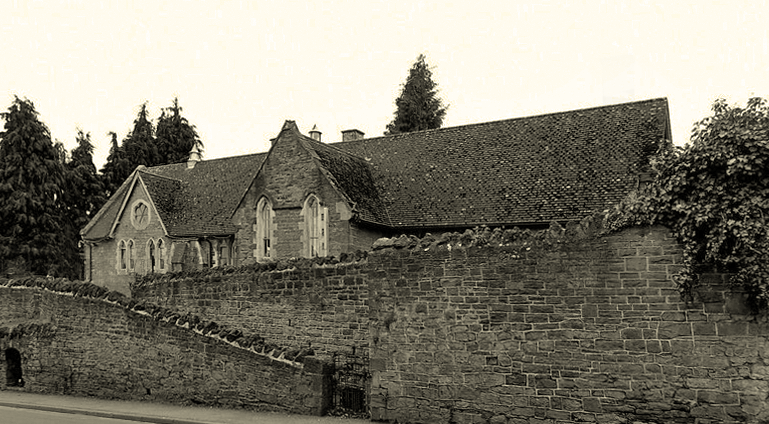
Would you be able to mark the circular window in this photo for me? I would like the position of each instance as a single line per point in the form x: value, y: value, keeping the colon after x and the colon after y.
x: 140, y: 215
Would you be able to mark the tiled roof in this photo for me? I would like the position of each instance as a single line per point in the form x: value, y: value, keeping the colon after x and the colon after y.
x: 559, y: 166
x: 164, y: 193
x: 352, y: 177
x: 101, y: 224
x: 206, y: 196
x: 532, y: 170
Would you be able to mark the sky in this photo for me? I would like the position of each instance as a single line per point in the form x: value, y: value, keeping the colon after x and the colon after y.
x: 241, y: 68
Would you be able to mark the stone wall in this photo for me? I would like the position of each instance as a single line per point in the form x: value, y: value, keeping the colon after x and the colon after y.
x: 490, y: 327
x: 589, y: 330
x: 512, y: 327
x: 302, y: 305
x: 85, y: 341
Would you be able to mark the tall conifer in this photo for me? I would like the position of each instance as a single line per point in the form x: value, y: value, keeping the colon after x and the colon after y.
x: 139, y: 146
x: 418, y: 107
x: 87, y: 190
x: 116, y: 169
x: 175, y: 135
x: 32, y: 177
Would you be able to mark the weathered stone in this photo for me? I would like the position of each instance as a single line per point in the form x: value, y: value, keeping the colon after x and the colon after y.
x: 539, y: 335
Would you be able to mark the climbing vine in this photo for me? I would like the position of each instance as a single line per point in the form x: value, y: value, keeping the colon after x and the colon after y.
x: 714, y: 195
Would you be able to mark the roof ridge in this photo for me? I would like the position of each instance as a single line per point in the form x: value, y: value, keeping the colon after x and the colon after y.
x: 206, y: 160
x: 146, y: 171
x: 332, y: 147
x: 233, y: 157
x: 476, y: 124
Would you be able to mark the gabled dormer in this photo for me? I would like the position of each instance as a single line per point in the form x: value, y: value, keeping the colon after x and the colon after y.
x: 315, y: 192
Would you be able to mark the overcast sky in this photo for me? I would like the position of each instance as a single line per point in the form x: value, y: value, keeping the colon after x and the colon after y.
x: 240, y: 68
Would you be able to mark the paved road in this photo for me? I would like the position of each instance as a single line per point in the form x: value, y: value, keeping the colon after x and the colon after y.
x: 31, y: 416
x: 92, y: 411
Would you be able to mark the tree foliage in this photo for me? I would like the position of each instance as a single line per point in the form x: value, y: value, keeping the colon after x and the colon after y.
x: 47, y: 197
x: 86, y: 192
x: 139, y: 145
x: 175, y: 135
x: 116, y: 169
x: 32, y: 180
x: 169, y: 142
x: 82, y: 196
x: 714, y: 195
x: 418, y: 107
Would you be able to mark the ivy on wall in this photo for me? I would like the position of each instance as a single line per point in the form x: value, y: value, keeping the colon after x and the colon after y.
x: 714, y: 194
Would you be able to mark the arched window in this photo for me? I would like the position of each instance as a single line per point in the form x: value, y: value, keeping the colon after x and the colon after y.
x: 161, y: 255
x: 224, y: 253
x: 206, y: 253
x: 122, y: 255
x: 264, y: 229
x: 315, y: 220
x: 151, y: 254
x: 131, y: 257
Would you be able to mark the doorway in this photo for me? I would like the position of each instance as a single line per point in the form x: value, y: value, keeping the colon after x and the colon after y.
x: 13, y: 376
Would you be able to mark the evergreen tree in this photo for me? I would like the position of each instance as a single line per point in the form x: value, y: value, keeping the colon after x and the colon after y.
x: 32, y: 178
x: 175, y: 136
x: 139, y: 146
x: 418, y: 107
x: 83, y: 195
x: 116, y: 169
x: 87, y: 191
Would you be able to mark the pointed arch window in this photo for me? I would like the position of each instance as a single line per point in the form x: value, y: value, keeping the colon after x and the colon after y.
x: 315, y: 220
x: 224, y: 253
x: 161, y: 255
x: 123, y: 255
x: 206, y: 253
x: 151, y: 253
x: 264, y: 229
x: 131, y: 257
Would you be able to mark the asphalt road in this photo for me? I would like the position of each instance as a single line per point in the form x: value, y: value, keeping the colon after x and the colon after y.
x: 18, y: 407
x: 30, y: 416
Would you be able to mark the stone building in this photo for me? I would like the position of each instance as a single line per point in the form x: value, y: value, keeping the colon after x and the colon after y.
x: 306, y: 198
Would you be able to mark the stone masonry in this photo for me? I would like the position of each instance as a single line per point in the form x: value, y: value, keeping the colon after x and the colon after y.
x: 481, y: 328
x: 583, y: 331
x: 496, y: 327
x: 85, y: 342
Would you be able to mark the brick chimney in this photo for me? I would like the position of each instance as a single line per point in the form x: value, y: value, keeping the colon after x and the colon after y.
x: 352, y: 135
x: 315, y: 133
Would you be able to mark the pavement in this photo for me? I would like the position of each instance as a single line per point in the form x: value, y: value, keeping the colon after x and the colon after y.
x: 160, y: 413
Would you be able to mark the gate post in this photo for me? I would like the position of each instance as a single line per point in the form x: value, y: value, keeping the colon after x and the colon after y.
x: 320, y: 368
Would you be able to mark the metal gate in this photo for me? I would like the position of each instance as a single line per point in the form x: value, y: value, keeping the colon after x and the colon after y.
x: 351, y: 382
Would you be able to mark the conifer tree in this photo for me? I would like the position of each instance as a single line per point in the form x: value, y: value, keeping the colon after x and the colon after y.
x: 87, y: 191
x: 139, y: 146
x: 418, y: 107
x: 175, y: 135
x: 116, y: 169
x: 32, y: 178
x: 83, y: 194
